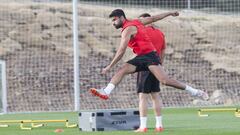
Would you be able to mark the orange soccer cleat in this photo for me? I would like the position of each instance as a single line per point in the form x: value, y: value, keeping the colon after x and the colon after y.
x: 159, y: 129
x: 99, y: 93
x: 141, y: 130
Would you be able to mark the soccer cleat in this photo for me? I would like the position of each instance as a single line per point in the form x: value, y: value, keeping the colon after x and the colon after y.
x: 99, y: 93
x: 141, y: 130
x: 202, y: 95
x: 159, y: 129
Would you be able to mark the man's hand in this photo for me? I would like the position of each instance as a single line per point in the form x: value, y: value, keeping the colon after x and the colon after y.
x: 175, y: 13
x: 106, y: 69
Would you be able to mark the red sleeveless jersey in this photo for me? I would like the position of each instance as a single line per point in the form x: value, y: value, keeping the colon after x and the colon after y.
x: 140, y: 43
x: 157, y: 38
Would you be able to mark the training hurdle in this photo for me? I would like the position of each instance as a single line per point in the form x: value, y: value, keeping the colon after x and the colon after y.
x: 35, y: 123
x: 5, y: 123
x: 235, y: 110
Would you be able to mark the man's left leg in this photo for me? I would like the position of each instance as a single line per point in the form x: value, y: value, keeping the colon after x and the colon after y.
x: 162, y: 76
x: 157, y: 109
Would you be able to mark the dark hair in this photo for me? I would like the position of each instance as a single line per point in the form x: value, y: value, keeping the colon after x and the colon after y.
x: 145, y: 15
x: 118, y: 13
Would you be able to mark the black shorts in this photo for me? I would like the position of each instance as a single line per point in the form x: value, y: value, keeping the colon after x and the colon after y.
x: 147, y: 82
x: 143, y: 61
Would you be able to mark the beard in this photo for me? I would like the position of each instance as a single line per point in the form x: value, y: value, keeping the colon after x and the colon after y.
x: 119, y: 25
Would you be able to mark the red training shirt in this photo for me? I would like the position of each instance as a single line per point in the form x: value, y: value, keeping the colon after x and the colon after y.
x: 140, y: 43
x: 157, y: 38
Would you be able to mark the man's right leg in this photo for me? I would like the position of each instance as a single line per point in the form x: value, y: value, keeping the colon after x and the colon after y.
x: 143, y: 108
x: 125, y: 69
x: 116, y: 79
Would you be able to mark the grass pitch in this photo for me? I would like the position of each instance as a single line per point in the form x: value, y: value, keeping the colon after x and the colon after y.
x: 184, y: 121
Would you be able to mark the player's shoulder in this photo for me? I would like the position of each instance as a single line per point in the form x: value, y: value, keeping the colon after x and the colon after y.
x: 134, y: 21
x: 130, y: 25
x: 128, y: 29
x: 157, y: 29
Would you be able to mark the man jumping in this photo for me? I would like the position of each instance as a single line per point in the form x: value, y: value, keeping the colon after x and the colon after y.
x: 134, y: 35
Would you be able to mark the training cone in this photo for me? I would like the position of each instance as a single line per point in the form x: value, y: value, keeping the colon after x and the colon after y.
x: 58, y: 130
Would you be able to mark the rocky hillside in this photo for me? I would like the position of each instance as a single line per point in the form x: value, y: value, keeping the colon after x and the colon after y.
x: 36, y: 43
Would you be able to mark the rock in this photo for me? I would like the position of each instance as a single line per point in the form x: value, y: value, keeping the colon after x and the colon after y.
x: 9, y: 46
x: 198, y: 102
x: 216, y: 94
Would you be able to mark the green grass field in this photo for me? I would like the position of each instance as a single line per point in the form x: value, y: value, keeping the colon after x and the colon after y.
x: 176, y: 122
